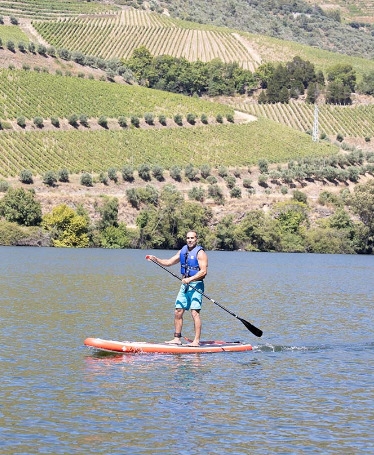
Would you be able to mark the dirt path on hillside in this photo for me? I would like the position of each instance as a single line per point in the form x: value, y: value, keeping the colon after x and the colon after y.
x: 26, y: 26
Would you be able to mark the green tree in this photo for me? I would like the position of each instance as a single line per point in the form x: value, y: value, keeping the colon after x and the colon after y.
x: 109, y: 213
x: 19, y: 206
x: 67, y: 228
x: 140, y: 63
x: 362, y: 203
x: 343, y: 73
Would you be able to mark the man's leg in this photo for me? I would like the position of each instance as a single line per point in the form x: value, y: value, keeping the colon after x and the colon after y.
x: 178, y: 325
x: 197, y: 324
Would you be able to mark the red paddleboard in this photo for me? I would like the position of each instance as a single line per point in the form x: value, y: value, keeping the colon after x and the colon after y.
x: 136, y: 347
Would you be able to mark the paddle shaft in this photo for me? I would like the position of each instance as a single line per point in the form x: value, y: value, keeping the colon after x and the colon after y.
x: 249, y: 326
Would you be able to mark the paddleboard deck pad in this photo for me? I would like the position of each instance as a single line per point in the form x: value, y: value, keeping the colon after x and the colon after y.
x: 135, y: 347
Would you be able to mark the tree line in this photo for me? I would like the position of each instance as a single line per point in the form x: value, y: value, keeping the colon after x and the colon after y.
x: 163, y: 221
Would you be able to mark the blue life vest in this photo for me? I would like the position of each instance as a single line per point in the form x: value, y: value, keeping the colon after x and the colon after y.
x: 189, y: 262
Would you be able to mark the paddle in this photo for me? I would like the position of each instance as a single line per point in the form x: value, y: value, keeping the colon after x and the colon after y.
x: 249, y: 326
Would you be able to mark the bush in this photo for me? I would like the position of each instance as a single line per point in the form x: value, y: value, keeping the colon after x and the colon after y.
x: 26, y: 177
x: 339, y: 137
x: 284, y: 189
x: 103, y: 122
x: 190, y: 172
x: 112, y: 174
x: 191, y: 119
x: 4, y: 186
x: 122, y: 121
x: 176, y: 173
x: 10, y: 46
x: 219, y: 118
x: 14, y: 20
x: 133, y: 197
x: 204, y: 119
x: 149, y: 118
x: 42, y: 50
x: 49, y: 178
x: 197, y: 194
x: 83, y: 120
x: 216, y: 193
x: 205, y: 171
x: 128, y: 173
x: 135, y: 121
x: 178, y: 119
x: 22, y: 47
x: 230, y: 118
x: 55, y: 122
x: 144, y: 172
x: 230, y: 181
x: 367, y: 139
x: 21, y: 121
x: 86, y: 179
x: 247, y: 183
x: 263, y: 166
x: 236, y: 173
x: 64, y: 54
x: 63, y: 175
x: 222, y: 171
x: 103, y: 178
x: 162, y: 120
x: 236, y: 192
x: 25, y: 66
x: 212, y: 179
x: 262, y: 180
x: 31, y: 47
x: 299, y: 196
x: 73, y: 120
x: 19, y: 206
x: 158, y: 173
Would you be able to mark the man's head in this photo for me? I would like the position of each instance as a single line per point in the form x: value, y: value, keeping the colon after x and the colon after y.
x: 191, y: 239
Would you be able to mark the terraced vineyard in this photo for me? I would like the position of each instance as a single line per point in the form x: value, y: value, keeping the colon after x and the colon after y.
x: 352, y: 121
x: 96, y: 151
x: 118, y: 34
x: 11, y: 33
x: 49, y: 9
x: 30, y: 94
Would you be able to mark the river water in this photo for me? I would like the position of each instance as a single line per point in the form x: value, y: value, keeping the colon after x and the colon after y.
x: 307, y: 386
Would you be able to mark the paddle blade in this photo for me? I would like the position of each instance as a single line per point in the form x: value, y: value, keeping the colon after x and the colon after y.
x: 251, y: 328
x: 148, y: 257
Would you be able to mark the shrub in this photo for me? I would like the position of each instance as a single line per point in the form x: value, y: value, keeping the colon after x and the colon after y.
x: 38, y: 122
x: 219, y: 118
x: 339, y: 137
x: 83, y: 120
x: 42, y: 50
x: 64, y: 54
x: 112, y: 174
x: 55, y: 122
x: 103, y: 178
x: 21, y: 121
x: 178, y: 119
x: 144, y: 172
x: 216, y: 193
x: 236, y: 192
x: 205, y: 171
x: 51, y: 51
x: 4, y: 186
x: 204, y: 119
x: 22, y: 47
x: 162, y: 120
x: 230, y: 118
x: 236, y: 173
x: 31, y: 47
x: 176, y: 173
x: 230, y: 181
x: 133, y: 197
x: 263, y: 166
x: 26, y: 177
x: 284, y: 189
x: 135, y: 121
x: 73, y: 120
x: 122, y: 121
x: 367, y: 139
x: 14, y: 20
x: 212, y: 179
x: 197, y: 193
x: 10, y: 46
x: 191, y: 119
x: 149, y: 118
x: 222, y: 171
x: 49, y: 178
x: 247, y: 183
x: 158, y: 173
x: 262, y: 180
x: 128, y: 173
x: 190, y: 172
x: 63, y: 175
x: 299, y: 196
x: 19, y: 206
x: 103, y: 122
x: 86, y: 179
x: 25, y: 66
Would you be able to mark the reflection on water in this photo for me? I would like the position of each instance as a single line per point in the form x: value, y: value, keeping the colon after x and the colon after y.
x: 306, y: 386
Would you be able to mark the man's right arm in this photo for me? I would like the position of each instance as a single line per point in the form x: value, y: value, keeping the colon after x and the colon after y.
x: 166, y: 262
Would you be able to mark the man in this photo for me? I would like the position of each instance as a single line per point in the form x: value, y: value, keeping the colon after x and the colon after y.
x: 194, y: 268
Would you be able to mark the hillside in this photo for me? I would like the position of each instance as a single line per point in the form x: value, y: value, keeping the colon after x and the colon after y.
x: 47, y: 88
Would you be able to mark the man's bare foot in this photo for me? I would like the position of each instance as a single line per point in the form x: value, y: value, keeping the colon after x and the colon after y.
x: 194, y: 344
x: 174, y: 341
